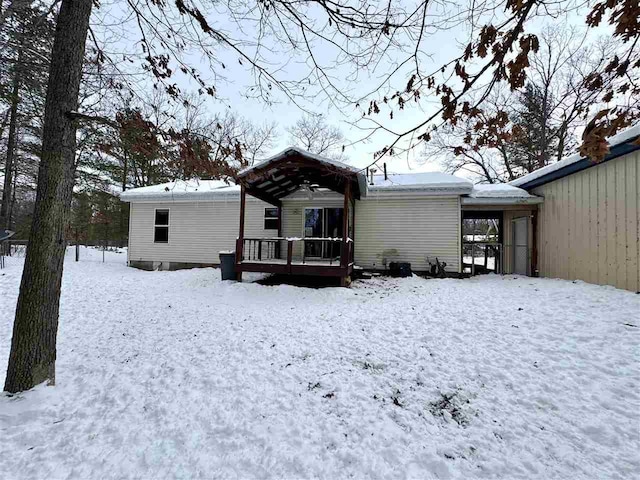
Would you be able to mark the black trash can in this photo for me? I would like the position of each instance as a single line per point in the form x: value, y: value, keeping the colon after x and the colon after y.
x: 228, y: 265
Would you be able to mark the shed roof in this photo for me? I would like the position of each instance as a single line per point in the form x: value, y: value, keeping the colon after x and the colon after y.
x: 619, y: 144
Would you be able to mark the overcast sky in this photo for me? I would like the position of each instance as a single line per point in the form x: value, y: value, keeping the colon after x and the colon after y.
x: 438, y: 48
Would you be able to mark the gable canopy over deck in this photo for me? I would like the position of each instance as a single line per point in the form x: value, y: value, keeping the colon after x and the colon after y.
x: 274, y: 178
x: 281, y: 175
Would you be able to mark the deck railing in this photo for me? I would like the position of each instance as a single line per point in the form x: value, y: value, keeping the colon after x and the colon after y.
x: 265, y: 249
x: 260, y: 249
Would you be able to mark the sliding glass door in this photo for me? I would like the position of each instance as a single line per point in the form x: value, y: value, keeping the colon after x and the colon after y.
x: 322, y: 223
x: 313, y: 227
x: 333, y: 229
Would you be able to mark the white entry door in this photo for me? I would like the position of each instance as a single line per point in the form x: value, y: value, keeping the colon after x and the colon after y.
x: 520, y: 245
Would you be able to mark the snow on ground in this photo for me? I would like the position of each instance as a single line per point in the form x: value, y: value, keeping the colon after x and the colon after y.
x: 177, y: 374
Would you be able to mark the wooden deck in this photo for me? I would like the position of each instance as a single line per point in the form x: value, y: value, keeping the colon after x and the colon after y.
x: 267, y: 259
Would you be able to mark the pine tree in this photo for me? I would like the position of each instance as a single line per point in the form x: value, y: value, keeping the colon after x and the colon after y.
x: 26, y: 45
x: 535, y: 139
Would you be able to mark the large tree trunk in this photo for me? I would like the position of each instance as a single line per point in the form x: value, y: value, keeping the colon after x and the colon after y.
x: 33, y: 346
x: 5, y: 218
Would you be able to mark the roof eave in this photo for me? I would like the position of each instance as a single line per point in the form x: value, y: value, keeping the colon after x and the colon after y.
x: 616, y: 151
x: 429, y: 190
x: 187, y: 197
x: 502, y: 201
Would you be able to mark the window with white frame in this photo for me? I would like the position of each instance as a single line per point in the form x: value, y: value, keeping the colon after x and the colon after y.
x: 271, y: 218
x: 161, y: 226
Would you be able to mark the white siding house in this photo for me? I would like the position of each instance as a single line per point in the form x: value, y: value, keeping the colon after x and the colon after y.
x: 413, y: 218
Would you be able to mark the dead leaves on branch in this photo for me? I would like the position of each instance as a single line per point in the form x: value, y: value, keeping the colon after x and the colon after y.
x: 624, y: 16
x: 196, y: 157
x: 183, y: 152
x: 505, y: 53
x: 604, y: 124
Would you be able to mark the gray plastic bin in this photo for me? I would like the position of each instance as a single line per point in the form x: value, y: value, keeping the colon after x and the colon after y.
x: 228, y: 265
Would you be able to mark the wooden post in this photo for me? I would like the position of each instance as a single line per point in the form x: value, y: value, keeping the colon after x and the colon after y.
x: 289, y: 254
x: 344, y: 251
x: 304, y: 251
x: 486, y: 253
x: 534, y: 243
x: 345, y: 224
x: 277, y: 245
x: 353, y: 228
x: 240, y: 244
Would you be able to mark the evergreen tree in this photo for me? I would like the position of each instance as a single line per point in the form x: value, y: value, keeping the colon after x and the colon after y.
x: 25, y: 43
x: 535, y: 139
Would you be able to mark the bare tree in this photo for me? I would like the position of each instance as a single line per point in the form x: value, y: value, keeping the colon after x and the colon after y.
x: 560, y: 71
x: 315, y: 135
x: 488, y: 161
x: 539, y: 122
x: 499, y: 51
x: 259, y: 140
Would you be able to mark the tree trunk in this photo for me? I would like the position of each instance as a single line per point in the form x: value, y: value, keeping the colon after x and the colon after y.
x: 562, y: 137
x: 5, y: 219
x: 33, y: 346
x: 507, y: 163
x: 13, y: 197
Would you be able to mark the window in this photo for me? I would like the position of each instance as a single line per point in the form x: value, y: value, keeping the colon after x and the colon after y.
x: 161, y: 227
x: 270, y: 218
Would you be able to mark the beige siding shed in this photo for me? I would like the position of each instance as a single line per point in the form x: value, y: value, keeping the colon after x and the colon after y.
x: 588, y: 225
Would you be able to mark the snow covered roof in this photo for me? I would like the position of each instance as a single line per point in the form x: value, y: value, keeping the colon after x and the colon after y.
x: 617, y: 140
x: 498, y: 190
x: 185, y: 189
x: 426, y: 181
x: 499, y: 193
x: 287, y: 151
x: 434, y: 183
x: 429, y: 182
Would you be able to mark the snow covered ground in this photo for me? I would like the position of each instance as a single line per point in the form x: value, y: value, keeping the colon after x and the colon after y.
x: 177, y: 374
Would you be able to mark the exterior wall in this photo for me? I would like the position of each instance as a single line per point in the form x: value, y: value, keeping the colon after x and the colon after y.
x: 588, y: 225
x: 416, y: 227
x: 197, y: 230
